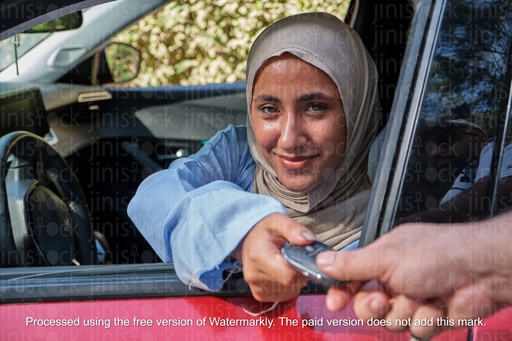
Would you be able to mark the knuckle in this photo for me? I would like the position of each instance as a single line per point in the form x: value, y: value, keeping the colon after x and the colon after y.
x: 252, y: 280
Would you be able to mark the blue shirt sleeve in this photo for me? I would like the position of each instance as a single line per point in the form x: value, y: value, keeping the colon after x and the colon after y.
x: 196, y: 212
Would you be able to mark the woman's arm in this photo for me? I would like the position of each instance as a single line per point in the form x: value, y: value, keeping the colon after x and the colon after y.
x: 196, y: 212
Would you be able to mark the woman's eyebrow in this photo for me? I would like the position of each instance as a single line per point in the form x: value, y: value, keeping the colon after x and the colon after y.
x: 302, y: 98
x: 315, y: 95
x: 267, y: 98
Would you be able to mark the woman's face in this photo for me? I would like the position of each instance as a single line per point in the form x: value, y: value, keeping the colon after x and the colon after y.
x: 298, y: 121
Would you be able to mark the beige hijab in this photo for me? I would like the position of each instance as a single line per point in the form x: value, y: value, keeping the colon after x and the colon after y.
x: 335, y: 209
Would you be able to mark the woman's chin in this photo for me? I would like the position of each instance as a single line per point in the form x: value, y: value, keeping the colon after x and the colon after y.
x: 299, y: 185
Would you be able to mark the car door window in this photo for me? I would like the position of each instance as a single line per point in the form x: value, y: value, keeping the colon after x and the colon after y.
x: 459, y: 131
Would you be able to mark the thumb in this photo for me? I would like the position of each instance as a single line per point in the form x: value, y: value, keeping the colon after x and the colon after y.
x: 361, y: 265
x: 286, y: 228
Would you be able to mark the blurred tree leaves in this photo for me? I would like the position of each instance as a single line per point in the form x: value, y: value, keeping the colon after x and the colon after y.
x: 200, y: 41
x: 64, y: 23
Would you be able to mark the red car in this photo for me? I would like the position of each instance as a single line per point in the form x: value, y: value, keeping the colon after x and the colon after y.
x: 445, y: 85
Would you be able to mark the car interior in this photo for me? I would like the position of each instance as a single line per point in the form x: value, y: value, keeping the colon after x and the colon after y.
x: 113, y: 137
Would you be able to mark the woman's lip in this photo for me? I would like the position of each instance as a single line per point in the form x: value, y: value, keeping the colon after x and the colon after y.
x: 295, y: 162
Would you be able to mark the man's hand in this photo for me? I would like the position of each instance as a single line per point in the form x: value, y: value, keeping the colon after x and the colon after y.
x: 427, y: 271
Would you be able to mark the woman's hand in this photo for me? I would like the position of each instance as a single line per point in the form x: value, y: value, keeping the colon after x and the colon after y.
x: 269, y: 275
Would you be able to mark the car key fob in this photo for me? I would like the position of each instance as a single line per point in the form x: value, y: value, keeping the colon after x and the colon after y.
x: 303, y: 258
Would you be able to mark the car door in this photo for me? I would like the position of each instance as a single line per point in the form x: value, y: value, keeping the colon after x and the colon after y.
x: 445, y: 157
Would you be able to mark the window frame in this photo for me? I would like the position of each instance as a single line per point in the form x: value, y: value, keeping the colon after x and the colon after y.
x: 401, y: 125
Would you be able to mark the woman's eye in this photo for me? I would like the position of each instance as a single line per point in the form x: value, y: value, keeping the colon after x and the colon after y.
x: 317, y: 107
x: 268, y: 110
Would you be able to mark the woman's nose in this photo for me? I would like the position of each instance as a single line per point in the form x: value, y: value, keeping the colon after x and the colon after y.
x: 293, y: 132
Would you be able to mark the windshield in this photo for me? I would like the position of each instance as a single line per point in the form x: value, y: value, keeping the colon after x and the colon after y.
x: 27, y: 41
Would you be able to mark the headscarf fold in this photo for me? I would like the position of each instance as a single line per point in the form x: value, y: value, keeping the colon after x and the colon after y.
x: 335, y: 209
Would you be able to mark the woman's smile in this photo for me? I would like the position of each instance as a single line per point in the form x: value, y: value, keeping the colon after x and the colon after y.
x: 296, y: 162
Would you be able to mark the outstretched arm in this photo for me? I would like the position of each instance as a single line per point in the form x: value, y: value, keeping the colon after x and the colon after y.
x: 427, y: 270
x: 196, y: 212
x: 201, y: 210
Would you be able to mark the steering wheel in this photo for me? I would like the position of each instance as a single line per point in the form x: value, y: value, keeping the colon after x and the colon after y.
x: 44, y: 220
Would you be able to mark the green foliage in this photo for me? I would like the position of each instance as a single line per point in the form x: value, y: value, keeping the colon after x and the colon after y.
x: 64, y: 23
x: 201, y: 41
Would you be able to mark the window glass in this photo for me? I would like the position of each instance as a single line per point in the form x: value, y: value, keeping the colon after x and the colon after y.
x: 26, y: 42
x: 459, y: 121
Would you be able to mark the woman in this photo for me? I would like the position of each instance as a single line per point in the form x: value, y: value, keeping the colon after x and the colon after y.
x: 298, y: 167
